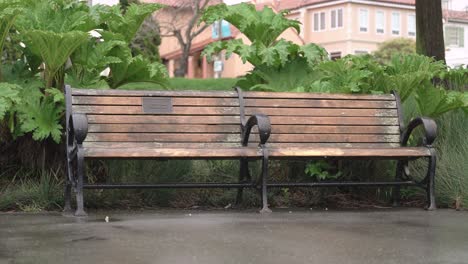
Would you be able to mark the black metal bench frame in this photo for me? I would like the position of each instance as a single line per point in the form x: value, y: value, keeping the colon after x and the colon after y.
x: 77, y: 129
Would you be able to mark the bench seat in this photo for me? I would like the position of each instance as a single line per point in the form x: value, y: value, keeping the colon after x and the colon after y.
x: 188, y: 153
x: 255, y: 152
x: 244, y: 126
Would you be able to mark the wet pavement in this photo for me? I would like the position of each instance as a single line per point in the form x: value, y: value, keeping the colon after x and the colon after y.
x: 285, y: 236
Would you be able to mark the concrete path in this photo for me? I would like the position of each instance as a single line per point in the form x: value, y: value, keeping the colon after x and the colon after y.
x: 383, y: 236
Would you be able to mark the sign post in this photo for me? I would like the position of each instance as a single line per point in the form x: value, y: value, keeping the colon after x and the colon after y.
x: 220, y: 30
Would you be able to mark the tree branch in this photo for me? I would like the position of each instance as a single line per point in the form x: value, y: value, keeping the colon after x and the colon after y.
x: 179, y: 37
x: 200, y: 30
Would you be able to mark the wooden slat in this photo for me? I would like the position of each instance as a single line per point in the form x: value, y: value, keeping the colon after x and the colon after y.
x: 278, y: 129
x: 235, y: 111
x: 275, y: 120
x: 190, y: 137
x: 163, y: 128
x: 106, y: 100
x: 148, y: 119
x: 108, y: 145
x: 162, y: 137
x: 106, y: 109
x: 319, y: 103
x: 300, y: 120
x: 333, y: 145
x: 225, y: 94
x: 317, y: 129
x: 348, y: 152
x: 114, y: 92
x: 331, y: 138
x: 271, y: 102
x: 137, y: 101
x: 173, y: 153
x: 279, y: 95
x: 321, y: 112
x: 254, y: 152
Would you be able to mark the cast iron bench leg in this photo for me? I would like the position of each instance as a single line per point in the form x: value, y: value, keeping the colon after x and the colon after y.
x: 79, y: 186
x: 430, y: 189
x: 67, y: 209
x: 265, y: 208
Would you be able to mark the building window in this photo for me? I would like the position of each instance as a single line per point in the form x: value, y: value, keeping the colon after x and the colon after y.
x: 412, y: 25
x: 395, y: 23
x: 316, y: 22
x: 322, y: 21
x: 361, y: 52
x: 454, y: 36
x: 319, y: 21
x: 335, y: 55
x: 445, y: 4
x: 363, y: 20
x: 336, y: 16
x: 380, y: 22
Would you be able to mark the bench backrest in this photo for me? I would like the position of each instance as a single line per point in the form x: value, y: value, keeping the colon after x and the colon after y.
x: 159, y: 118
x: 314, y: 119
x: 212, y: 118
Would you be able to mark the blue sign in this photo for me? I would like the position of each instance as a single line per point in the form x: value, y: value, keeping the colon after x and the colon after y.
x: 225, y: 30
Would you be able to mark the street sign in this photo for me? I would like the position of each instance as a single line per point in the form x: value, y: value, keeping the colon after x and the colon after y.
x: 225, y: 30
x: 218, y: 66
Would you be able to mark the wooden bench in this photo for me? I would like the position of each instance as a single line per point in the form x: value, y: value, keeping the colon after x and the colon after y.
x: 113, y: 124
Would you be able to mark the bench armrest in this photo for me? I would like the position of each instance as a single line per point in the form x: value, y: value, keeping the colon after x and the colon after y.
x: 264, y: 128
x: 430, y: 130
x: 79, y: 125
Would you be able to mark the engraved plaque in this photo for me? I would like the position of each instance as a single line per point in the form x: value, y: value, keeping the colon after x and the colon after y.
x: 157, y: 105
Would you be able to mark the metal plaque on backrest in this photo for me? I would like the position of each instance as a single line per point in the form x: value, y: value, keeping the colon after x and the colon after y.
x: 157, y: 105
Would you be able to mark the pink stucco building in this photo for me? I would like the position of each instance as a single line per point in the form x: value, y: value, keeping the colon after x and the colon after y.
x: 342, y: 27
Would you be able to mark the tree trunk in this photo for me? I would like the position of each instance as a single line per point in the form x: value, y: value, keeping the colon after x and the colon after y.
x: 429, y: 29
x: 183, y: 67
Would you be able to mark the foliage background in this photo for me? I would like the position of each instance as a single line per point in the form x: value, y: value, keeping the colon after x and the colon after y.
x: 31, y: 104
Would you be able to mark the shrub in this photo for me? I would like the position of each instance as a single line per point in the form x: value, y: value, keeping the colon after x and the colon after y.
x: 32, y: 191
x: 224, y: 84
x: 278, y: 64
x: 452, y: 165
x: 389, y: 48
x: 147, y: 40
x: 65, y: 39
x: 452, y: 152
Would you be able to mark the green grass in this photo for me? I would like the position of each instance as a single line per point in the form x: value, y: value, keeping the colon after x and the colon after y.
x: 452, y: 166
x: 31, y: 191
x: 186, y: 84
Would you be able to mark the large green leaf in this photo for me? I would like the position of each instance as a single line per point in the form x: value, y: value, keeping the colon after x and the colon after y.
x: 313, y: 53
x: 435, y: 101
x: 275, y: 55
x: 456, y: 78
x: 9, y: 96
x: 90, y: 59
x: 263, y: 26
x: 126, y: 24
x: 343, y: 76
x: 137, y: 69
x: 245, y: 52
x: 9, y: 10
x: 54, y: 48
x: 40, y: 114
x: 411, y: 63
x: 59, y: 16
x: 294, y: 75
